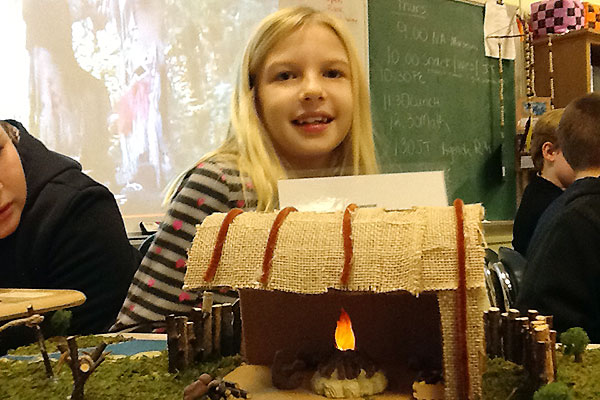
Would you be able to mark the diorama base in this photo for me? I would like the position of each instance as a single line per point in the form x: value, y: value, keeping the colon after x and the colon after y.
x: 256, y: 380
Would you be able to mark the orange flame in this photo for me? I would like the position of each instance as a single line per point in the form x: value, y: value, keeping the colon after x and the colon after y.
x: 344, y: 336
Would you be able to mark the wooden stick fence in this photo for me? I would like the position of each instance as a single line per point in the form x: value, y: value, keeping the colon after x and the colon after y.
x: 213, y: 330
x: 525, y: 340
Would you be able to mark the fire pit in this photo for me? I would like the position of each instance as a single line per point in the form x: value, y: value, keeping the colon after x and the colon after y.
x: 397, y: 331
x: 347, y: 373
x: 412, y: 277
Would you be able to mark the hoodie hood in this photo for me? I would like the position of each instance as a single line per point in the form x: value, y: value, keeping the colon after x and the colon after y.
x: 582, y: 187
x: 39, y: 163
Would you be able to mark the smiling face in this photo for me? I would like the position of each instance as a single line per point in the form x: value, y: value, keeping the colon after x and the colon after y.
x: 304, y: 97
x: 13, y: 190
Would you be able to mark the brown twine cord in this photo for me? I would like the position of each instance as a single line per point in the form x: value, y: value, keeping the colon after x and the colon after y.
x: 348, y: 247
x: 218, y: 250
x: 272, y: 241
x: 461, y: 306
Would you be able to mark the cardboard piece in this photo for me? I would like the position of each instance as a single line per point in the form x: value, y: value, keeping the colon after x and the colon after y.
x: 399, y: 331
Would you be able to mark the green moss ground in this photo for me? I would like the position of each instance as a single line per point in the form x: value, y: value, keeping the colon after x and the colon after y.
x: 128, y: 379
x: 505, y: 380
x: 148, y: 378
x: 584, y: 377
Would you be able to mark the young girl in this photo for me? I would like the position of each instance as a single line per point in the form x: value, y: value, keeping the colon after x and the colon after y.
x: 300, y: 108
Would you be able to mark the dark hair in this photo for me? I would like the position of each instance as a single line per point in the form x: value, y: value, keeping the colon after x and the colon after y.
x: 579, y: 132
x: 11, y: 131
x: 544, y: 131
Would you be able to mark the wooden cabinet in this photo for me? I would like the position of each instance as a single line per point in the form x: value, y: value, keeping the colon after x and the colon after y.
x: 575, y: 57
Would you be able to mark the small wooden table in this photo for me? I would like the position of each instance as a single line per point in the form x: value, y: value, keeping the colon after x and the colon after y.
x: 14, y: 302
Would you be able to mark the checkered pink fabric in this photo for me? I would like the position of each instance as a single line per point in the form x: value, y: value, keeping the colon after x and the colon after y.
x: 556, y: 16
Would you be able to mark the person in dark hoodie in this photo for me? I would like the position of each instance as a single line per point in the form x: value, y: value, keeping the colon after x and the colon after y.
x: 59, y: 229
x: 562, y: 277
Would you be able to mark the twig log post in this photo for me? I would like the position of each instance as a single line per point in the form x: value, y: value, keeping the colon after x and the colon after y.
x: 178, y: 343
x: 532, y: 314
x: 81, y: 367
x: 33, y: 321
x: 237, y: 327
x: 217, y: 313
x: 539, y: 370
x: 196, y: 317
x: 183, y: 343
x: 553, y: 347
x: 191, y: 336
x: 522, y: 325
x: 172, y: 343
x: 492, y: 332
x: 542, y: 334
x: 207, y: 339
x: 40, y: 339
x: 514, y: 332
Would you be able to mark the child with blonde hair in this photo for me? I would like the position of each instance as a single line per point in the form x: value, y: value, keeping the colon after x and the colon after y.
x: 300, y: 108
x: 552, y: 175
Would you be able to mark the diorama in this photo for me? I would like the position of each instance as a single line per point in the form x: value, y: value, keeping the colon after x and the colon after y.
x: 410, y: 283
x: 324, y: 311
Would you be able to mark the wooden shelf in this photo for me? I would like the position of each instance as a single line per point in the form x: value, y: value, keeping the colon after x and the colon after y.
x: 573, y: 56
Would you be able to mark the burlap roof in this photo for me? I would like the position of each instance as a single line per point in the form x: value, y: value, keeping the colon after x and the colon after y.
x: 412, y: 250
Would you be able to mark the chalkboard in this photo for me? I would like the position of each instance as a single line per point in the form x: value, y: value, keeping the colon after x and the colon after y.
x: 435, y: 99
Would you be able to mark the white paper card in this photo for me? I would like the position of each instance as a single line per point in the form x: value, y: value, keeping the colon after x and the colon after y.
x: 390, y: 191
x: 500, y: 20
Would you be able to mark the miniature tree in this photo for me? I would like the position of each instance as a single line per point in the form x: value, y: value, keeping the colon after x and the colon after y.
x: 60, y: 322
x: 81, y: 366
x: 553, y: 391
x: 575, y: 340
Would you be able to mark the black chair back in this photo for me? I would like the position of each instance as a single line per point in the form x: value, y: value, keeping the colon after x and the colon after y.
x: 146, y: 244
x: 514, y: 264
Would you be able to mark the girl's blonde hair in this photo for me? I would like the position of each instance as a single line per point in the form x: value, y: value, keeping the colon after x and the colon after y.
x: 248, y: 143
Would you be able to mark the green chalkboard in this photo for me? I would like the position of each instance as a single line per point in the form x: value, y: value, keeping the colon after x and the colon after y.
x: 435, y: 99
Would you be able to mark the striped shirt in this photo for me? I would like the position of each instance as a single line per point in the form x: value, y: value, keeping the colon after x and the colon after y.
x: 156, y: 289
